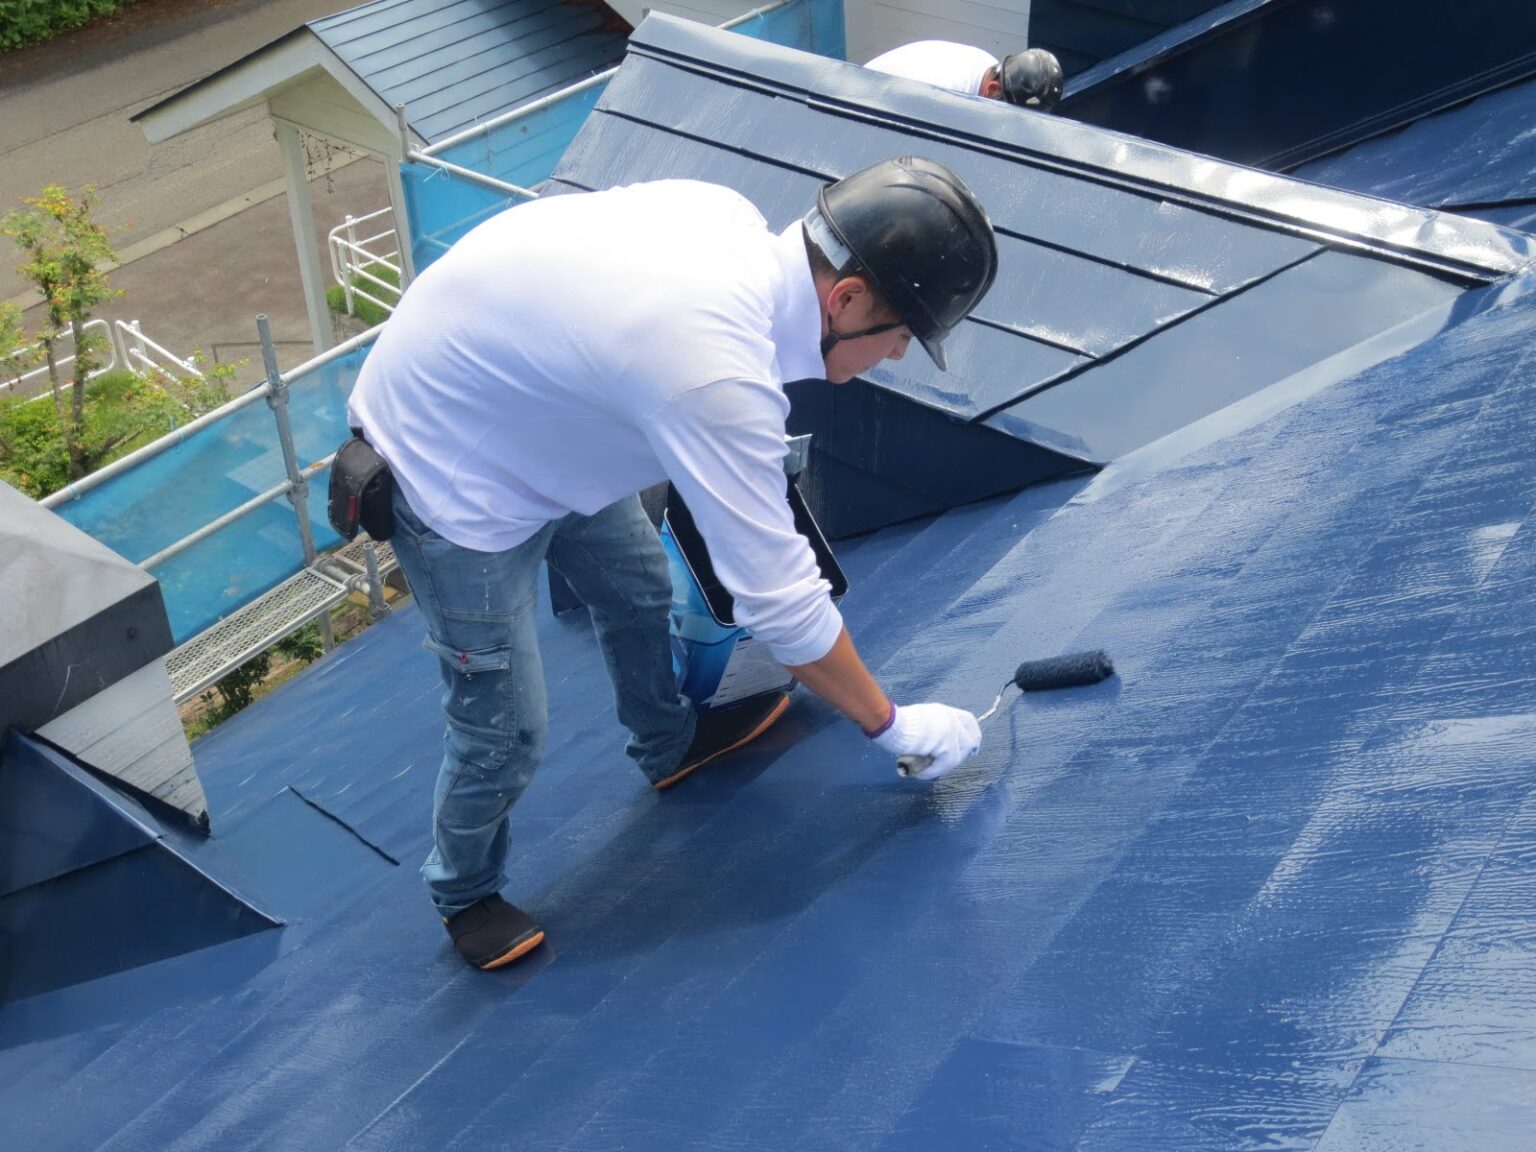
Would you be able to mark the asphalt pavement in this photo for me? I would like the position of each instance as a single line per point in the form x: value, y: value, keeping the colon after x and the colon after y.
x: 200, y: 222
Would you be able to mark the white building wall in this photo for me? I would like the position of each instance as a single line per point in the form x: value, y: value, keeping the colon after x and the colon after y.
x: 876, y: 26
x: 704, y: 11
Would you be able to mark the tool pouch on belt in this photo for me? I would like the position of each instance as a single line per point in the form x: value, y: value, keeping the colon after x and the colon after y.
x: 360, y: 492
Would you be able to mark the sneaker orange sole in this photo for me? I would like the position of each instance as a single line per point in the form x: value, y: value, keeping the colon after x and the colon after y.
x: 521, y: 949
x: 767, y: 722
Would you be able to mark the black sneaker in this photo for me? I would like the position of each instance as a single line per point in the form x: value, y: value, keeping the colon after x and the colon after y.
x: 722, y: 730
x: 491, y: 932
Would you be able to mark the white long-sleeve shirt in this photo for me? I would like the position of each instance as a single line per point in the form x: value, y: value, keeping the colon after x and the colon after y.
x: 957, y: 67
x: 574, y: 350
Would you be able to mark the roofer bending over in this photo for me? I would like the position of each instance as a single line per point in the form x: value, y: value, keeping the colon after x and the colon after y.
x: 575, y: 350
x: 1031, y: 79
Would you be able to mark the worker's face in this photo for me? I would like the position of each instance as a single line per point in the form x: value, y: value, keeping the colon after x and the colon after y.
x: 852, y: 306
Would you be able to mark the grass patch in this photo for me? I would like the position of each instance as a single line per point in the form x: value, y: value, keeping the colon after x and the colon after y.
x: 365, y: 310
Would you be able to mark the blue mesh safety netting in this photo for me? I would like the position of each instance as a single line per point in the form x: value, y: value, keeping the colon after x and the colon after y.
x: 213, y: 471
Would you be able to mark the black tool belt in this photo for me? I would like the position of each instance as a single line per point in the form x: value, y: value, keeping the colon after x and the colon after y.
x: 361, y: 490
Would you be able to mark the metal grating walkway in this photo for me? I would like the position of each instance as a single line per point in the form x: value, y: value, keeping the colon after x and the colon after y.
x: 303, y: 597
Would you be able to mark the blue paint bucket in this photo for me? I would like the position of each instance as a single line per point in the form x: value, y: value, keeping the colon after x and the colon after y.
x: 718, y: 662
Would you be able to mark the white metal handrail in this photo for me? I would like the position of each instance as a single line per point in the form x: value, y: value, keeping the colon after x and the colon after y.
x: 98, y: 326
x: 139, y: 351
x: 353, y: 259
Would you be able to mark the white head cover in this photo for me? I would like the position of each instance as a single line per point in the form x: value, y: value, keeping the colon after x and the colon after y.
x: 957, y: 67
x: 821, y: 235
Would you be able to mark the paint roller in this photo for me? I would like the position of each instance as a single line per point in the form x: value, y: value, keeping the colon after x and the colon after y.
x: 1074, y: 670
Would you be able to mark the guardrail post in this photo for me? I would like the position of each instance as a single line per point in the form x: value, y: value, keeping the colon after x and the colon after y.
x: 348, y: 255
x: 298, y: 490
x: 377, y: 607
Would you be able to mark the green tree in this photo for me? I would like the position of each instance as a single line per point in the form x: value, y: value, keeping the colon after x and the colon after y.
x: 122, y: 413
x: 64, y: 250
x: 14, y: 346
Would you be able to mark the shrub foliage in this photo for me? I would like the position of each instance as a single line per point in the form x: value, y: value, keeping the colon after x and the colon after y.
x: 27, y: 21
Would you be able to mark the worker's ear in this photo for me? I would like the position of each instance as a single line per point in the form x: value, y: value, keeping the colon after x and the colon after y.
x: 848, y: 293
x: 992, y: 87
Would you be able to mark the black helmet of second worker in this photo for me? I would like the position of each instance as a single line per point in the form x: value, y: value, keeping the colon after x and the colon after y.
x: 919, y: 235
x: 1032, y: 78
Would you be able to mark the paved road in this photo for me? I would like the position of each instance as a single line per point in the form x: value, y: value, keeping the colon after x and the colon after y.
x: 64, y: 109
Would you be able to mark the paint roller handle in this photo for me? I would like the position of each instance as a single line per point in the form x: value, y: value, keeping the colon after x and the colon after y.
x: 1075, y: 670
x: 930, y: 738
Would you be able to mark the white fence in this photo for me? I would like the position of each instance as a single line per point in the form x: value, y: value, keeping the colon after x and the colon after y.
x: 354, y: 258
x: 125, y: 346
x: 142, y: 356
x: 100, y: 330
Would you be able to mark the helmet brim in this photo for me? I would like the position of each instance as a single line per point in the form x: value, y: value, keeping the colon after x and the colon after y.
x: 934, y: 346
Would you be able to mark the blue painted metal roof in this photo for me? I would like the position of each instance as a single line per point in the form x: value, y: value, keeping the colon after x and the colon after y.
x: 456, y: 64
x: 1083, y: 32
x: 1273, y: 886
x: 1140, y: 288
x: 1277, y: 83
x: 1268, y: 888
x: 1466, y: 159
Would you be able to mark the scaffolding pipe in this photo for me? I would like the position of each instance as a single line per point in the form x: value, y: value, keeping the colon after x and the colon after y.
x: 174, y: 439
x: 298, y: 484
x: 471, y: 175
x: 277, y: 491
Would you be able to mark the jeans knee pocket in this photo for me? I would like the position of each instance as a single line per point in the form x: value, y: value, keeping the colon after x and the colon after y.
x: 471, y: 661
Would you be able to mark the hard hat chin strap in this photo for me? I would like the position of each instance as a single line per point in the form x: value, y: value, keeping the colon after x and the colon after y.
x: 833, y: 337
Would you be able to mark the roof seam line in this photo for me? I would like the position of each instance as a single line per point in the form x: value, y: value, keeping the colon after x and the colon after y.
x: 1025, y: 334
x: 1079, y: 369
x: 329, y: 815
x: 1105, y: 261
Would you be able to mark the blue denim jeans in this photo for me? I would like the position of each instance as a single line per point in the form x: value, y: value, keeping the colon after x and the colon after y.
x: 479, y: 610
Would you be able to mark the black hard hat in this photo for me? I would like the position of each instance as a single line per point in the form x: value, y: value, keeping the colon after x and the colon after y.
x: 1032, y: 78
x: 920, y: 237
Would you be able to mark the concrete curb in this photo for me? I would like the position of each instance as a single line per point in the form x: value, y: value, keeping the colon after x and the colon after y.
x: 167, y: 236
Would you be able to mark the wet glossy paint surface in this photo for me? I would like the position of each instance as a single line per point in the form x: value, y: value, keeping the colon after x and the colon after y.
x: 1467, y: 158
x: 1270, y: 888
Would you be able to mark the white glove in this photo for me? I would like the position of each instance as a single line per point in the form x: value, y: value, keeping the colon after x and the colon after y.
x: 936, y: 733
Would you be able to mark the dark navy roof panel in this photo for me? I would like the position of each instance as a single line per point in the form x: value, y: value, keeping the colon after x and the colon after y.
x: 1276, y: 83
x: 1466, y: 158
x: 1309, y: 312
x: 1145, y: 231
x: 1083, y: 32
x: 457, y: 64
x: 1108, y: 246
